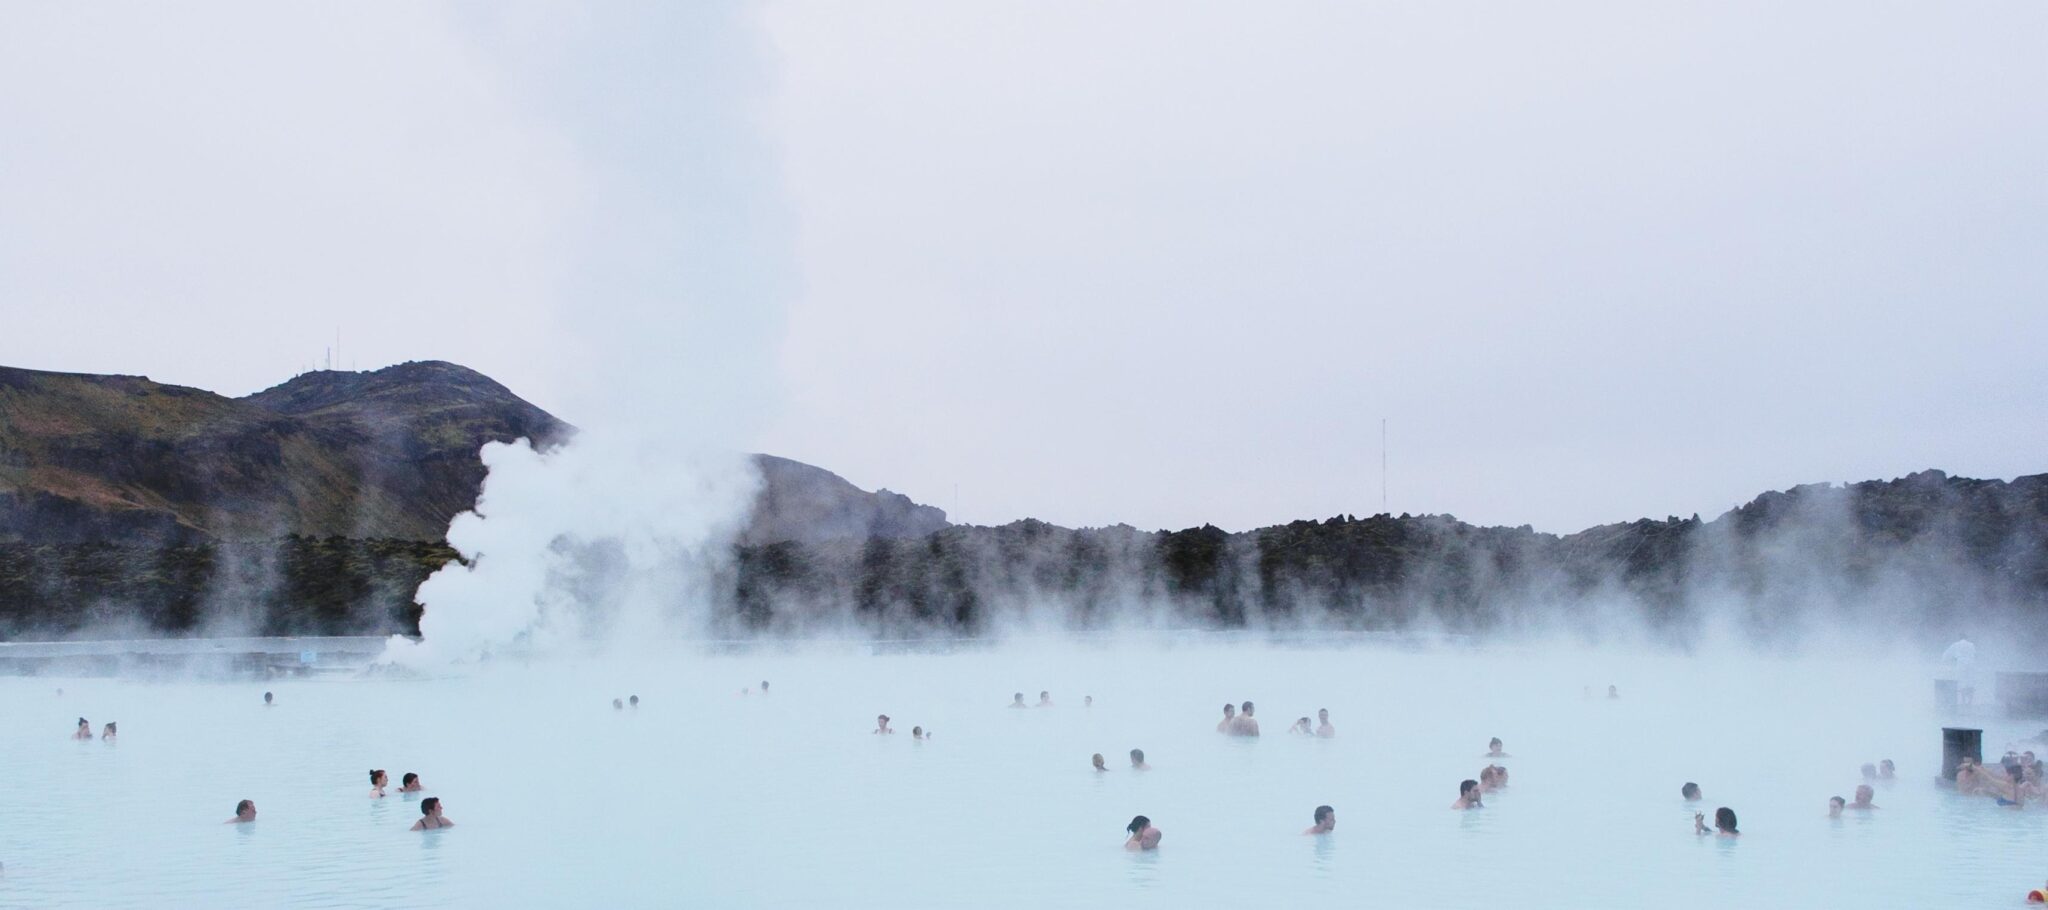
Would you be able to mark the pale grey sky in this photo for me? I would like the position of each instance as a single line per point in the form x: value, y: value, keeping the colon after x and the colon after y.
x: 1160, y: 263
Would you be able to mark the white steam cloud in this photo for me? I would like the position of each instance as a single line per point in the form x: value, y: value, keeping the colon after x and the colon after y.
x: 667, y: 308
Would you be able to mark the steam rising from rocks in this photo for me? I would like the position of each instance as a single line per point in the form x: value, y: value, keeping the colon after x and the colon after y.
x: 608, y: 538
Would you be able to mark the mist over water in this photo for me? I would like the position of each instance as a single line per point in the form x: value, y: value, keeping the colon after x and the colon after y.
x: 736, y: 800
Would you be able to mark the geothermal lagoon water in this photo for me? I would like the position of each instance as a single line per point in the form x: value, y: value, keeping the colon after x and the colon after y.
x: 703, y: 797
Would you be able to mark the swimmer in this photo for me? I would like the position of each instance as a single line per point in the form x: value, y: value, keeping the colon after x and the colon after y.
x: 107, y: 734
x: 764, y: 687
x: 1044, y: 699
x: 1097, y: 760
x: 1886, y: 770
x: 1143, y: 835
x: 267, y: 700
x: 618, y: 705
x: 1869, y: 771
x: 1326, y: 821
x: 377, y: 781
x: 1724, y: 823
x: 1246, y: 724
x: 1468, y: 796
x: 1017, y: 701
x: 1493, y: 749
x: 84, y: 730
x: 1087, y: 701
x: 1493, y: 777
x: 1613, y: 692
x: 245, y: 812
x: 430, y: 815
x: 1835, y: 804
x: 1300, y: 726
x: 916, y: 732
x: 1863, y: 797
x: 882, y: 724
x: 1691, y: 792
x: 634, y: 701
x: 410, y: 783
x: 1138, y: 760
x: 1323, y: 728
x: 1229, y: 718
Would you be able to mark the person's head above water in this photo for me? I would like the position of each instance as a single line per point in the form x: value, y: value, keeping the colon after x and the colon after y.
x: 84, y: 724
x: 245, y: 810
x: 1137, y: 756
x: 1096, y: 759
x: 1229, y: 710
x: 1886, y: 768
x: 1138, y: 823
x: 1493, y: 745
x: 1724, y: 819
x: 634, y: 701
x: 1465, y: 788
x: 266, y: 698
x: 1044, y: 695
x: 377, y: 777
x: 1869, y: 771
x: 1017, y: 698
x: 1835, y: 804
x: 916, y: 732
x: 1245, y: 708
x: 1322, y: 714
x: 1690, y: 790
x: 432, y: 805
x: 409, y: 779
x: 764, y: 685
x: 618, y: 704
x: 1325, y: 813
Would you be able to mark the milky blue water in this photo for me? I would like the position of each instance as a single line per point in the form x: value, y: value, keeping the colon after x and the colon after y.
x: 704, y: 797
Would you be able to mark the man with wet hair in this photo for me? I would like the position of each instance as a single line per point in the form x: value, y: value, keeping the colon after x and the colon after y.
x: 1229, y: 722
x: 245, y: 812
x: 1835, y: 804
x: 1468, y: 796
x: 1864, y: 795
x: 1691, y: 792
x: 1326, y: 821
x: 1097, y: 760
x: 1017, y: 701
x: 1323, y: 728
x: 1044, y: 699
x: 267, y: 700
x: 1138, y: 760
